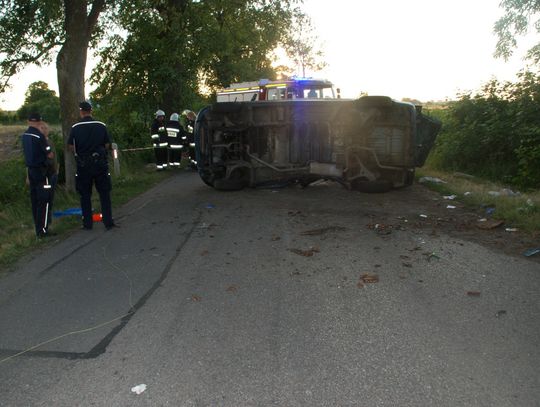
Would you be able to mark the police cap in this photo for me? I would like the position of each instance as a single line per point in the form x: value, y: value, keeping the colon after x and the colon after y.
x: 34, y: 117
x: 85, y: 106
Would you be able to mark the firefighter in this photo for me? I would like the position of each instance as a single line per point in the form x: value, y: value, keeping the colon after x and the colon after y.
x: 189, y: 138
x: 36, y: 153
x: 89, y: 141
x: 175, y: 134
x: 158, y: 133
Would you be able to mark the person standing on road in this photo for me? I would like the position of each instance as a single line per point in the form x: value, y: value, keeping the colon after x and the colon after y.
x: 89, y: 141
x: 189, y: 138
x: 158, y: 132
x: 36, y: 152
x: 175, y: 140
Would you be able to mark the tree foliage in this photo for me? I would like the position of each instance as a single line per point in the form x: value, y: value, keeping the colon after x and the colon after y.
x: 519, y: 16
x: 39, y: 98
x: 164, y: 51
x: 495, y: 132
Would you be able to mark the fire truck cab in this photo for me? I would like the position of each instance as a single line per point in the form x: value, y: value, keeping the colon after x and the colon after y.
x: 295, y: 88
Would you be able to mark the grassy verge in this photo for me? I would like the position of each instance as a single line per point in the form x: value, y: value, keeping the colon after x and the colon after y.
x: 516, y: 209
x: 17, y: 236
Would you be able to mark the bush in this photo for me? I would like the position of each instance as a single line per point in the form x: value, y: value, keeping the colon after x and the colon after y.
x: 494, y: 133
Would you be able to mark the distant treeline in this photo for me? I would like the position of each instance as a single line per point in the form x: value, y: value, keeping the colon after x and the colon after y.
x: 493, y: 133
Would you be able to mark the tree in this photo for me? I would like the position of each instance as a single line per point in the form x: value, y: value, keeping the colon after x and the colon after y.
x: 34, y: 31
x: 519, y: 16
x: 39, y: 98
x: 301, y: 45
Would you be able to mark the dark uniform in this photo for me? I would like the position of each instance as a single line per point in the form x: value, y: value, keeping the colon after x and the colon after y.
x: 36, y: 148
x: 159, y: 136
x: 175, y: 134
x: 90, y: 140
x: 189, y: 137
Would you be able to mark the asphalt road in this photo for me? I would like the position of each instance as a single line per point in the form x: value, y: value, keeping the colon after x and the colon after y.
x: 286, y: 297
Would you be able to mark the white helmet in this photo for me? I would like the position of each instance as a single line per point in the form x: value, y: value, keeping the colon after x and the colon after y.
x: 160, y: 113
x: 174, y: 117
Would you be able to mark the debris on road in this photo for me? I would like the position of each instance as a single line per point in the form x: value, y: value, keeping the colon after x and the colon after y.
x: 449, y: 197
x: 232, y: 289
x: 473, y: 293
x: 488, y: 224
x: 423, y: 216
x: 380, y: 228
x: 321, y: 231
x: 195, y: 298
x: 431, y: 255
x: 275, y: 238
x: 434, y: 180
x: 367, y: 278
x: 531, y: 252
x: 450, y: 207
x: 139, y: 389
x: 500, y: 313
x: 306, y: 253
x: 511, y: 229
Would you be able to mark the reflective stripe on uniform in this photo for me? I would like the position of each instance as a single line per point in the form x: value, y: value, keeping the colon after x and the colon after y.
x: 176, y: 146
x: 154, y: 136
x: 163, y: 144
x: 192, y: 144
x: 92, y: 122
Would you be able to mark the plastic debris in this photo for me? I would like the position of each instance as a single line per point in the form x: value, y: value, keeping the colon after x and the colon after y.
x: 139, y: 389
x: 67, y: 212
x: 449, y: 197
x: 467, y: 193
x: 423, y: 216
x: 531, y: 252
x: 450, y: 207
x: 434, y: 180
x: 511, y: 229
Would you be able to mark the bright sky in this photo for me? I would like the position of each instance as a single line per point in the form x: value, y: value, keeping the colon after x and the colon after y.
x: 421, y: 49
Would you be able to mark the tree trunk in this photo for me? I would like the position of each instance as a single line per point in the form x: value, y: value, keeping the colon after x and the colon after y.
x: 70, y: 66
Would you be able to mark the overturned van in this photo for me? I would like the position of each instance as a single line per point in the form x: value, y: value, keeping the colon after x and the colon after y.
x: 373, y: 143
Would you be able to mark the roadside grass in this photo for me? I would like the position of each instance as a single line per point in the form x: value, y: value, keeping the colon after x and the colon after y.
x: 17, y: 236
x: 518, y: 210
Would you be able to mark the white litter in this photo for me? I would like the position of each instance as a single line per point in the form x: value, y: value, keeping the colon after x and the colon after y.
x: 432, y: 179
x: 467, y: 193
x: 139, y: 389
x: 450, y: 197
x: 423, y: 216
x: 511, y: 229
x: 450, y: 207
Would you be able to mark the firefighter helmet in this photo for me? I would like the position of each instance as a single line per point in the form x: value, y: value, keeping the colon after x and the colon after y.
x: 160, y: 113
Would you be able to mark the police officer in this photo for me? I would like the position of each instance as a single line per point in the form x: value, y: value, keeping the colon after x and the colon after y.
x: 159, y: 135
x: 89, y: 140
x: 36, y: 152
x: 175, y: 133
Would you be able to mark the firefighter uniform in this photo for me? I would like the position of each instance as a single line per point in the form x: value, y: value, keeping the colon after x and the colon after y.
x: 158, y: 132
x: 90, y: 140
x: 189, y: 137
x: 175, y: 134
x: 36, y: 148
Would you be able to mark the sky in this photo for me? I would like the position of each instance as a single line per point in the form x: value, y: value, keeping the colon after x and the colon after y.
x: 421, y: 49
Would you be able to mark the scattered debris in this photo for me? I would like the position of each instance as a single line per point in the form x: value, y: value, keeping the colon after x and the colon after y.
x: 489, y: 224
x: 500, y: 313
x: 139, y: 389
x: 404, y: 257
x: 232, y: 289
x: 434, y: 180
x: 467, y: 193
x: 380, y: 228
x: 450, y: 207
x: 431, y: 255
x: 306, y: 253
x: 490, y: 210
x: 367, y: 278
x: 450, y: 197
x: 409, y: 265
x: 316, y: 232
x: 531, y: 252
x: 511, y: 229
x: 195, y: 298
x: 210, y: 206
x: 275, y: 238
x: 504, y: 192
x: 423, y: 216
x: 473, y: 293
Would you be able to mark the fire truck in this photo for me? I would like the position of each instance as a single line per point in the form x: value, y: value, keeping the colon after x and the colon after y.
x: 264, y: 89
